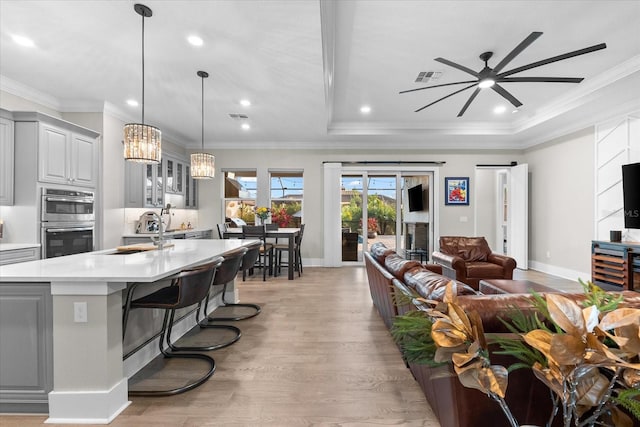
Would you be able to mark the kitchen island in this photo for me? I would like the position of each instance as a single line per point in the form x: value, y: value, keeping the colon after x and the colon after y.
x: 61, y: 327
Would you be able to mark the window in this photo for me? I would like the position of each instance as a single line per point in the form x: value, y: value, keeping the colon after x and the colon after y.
x: 286, y: 190
x: 240, y: 195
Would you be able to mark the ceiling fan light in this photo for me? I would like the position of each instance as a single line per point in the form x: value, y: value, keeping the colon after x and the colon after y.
x: 486, y: 83
x: 203, y: 166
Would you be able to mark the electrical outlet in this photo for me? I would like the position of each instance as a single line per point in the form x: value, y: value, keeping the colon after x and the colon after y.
x: 464, y: 219
x: 548, y: 254
x: 80, y: 312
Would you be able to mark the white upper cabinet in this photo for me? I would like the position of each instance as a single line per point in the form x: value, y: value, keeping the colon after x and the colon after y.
x: 6, y: 161
x: 66, y: 157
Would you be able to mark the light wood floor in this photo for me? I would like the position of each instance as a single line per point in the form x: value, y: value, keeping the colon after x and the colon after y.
x: 318, y: 355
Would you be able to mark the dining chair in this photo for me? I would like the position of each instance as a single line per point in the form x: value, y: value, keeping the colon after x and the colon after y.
x: 222, y: 228
x: 266, y: 250
x: 297, y: 254
x: 187, y: 288
x: 250, y: 258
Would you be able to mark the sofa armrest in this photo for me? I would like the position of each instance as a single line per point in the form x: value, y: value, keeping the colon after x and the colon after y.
x: 451, y: 261
x: 507, y: 263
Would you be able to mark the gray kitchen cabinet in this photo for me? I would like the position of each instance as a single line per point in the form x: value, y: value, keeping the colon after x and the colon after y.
x: 174, y: 170
x: 26, y: 353
x: 66, y: 157
x: 144, y: 186
x: 6, y: 161
x: 19, y: 255
x: 190, y: 190
x: 67, y: 153
x: 155, y: 185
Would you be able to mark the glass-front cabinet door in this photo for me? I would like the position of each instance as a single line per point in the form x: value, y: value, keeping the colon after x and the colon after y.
x: 153, y: 188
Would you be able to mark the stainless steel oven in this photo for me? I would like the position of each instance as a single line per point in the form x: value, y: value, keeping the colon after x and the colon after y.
x: 67, y: 205
x: 67, y: 222
x: 66, y: 238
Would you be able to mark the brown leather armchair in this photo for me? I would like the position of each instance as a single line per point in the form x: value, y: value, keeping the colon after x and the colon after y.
x: 469, y: 260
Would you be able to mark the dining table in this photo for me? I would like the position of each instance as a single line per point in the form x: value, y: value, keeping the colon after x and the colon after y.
x: 289, y: 233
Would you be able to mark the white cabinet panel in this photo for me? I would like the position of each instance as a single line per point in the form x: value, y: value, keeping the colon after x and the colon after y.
x: 6, y: 161
x: 66, y: 157
x: 82, y: 160
x: 53, y: 155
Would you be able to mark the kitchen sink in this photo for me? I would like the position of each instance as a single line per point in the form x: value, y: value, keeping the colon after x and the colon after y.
x: 128, y: 252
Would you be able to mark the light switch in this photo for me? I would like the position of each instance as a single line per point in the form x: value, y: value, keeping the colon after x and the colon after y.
x: 80, y: 312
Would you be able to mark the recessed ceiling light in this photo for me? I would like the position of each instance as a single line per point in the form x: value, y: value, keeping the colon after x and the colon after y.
x: 195, y: 40
x: 245, y: 102
x: 23, y: 41
x: 132, y: 102
x: 500, y: 109
x: 365, y: 109
x: 246, y: 126
x: 515, y: 111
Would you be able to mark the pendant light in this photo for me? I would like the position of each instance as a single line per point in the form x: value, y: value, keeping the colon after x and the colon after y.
x: 142, y: 143
x: 203, y: 164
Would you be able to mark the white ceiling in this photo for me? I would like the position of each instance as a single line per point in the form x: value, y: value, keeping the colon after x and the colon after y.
x: 308, y: 66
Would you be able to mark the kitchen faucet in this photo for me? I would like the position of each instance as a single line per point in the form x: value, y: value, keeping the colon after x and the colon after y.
x: 158, y: 241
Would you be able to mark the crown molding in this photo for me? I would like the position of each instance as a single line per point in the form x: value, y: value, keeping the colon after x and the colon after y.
x: 581, y: 95
x: 16, y: 88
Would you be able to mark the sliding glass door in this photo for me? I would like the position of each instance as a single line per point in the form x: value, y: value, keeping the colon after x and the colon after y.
x: 387, y: 216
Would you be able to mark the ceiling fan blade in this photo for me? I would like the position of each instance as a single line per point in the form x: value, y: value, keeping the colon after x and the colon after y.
x: 458, y: 66
x: 554, y: 59
x: 542, y: 79
x: 517, y: 50
x: 444, y: 84
x: 469, y: 101
x: 506, y: 95
x: 445, y: 97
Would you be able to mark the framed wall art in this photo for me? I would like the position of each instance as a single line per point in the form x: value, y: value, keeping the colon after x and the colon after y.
x: 456, y: 191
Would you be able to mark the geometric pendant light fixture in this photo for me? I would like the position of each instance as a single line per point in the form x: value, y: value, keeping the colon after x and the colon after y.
x: 142, y: 143
x: 203, y: 165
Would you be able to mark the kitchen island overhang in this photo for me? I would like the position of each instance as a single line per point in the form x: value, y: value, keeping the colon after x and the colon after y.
x: 89, y: 385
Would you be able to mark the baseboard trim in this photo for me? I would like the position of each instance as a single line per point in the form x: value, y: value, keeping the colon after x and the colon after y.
x: 565, y: 273
x: 88, y: 407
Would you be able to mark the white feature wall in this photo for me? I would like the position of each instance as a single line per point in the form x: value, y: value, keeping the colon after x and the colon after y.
x: 617, y: 142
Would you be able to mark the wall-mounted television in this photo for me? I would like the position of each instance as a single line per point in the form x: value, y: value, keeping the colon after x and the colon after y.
x: 631, y: 191
x: 415, y: 198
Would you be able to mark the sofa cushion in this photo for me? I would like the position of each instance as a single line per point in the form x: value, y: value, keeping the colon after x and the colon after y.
x: 430, y: 285
x: 469, y: 249
x: 379, y: 252
x: 449, y: 245
x: 473, y: 249
x: 484, y: 270
x: 397, y: 265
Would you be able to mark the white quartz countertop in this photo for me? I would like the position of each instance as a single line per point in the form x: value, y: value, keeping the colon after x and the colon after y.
x: 168, y: 234
x: 105, y: 266
x: 17, y: 246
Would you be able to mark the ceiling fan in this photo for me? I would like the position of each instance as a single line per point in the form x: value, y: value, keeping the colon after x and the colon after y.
x: 491, y: 77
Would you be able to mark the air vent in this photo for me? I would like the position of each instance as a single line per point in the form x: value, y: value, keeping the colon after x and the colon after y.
x: 428, y: 76
x: 236, y: 116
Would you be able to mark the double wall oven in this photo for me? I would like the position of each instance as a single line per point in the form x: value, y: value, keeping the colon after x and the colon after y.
x: 67, y: 222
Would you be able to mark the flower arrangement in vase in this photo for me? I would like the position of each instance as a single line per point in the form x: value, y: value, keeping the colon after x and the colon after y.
x: 262, y: 212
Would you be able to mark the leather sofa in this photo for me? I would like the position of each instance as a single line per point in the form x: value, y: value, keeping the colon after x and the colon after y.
x: 470, y: 259
x: 455, y: 405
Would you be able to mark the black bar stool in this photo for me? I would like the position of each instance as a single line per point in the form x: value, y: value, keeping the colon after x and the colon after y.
x: 228, y: 271
x: 187, y: 288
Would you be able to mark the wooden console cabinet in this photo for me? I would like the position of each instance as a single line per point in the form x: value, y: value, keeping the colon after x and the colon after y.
x: 615, y: 265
